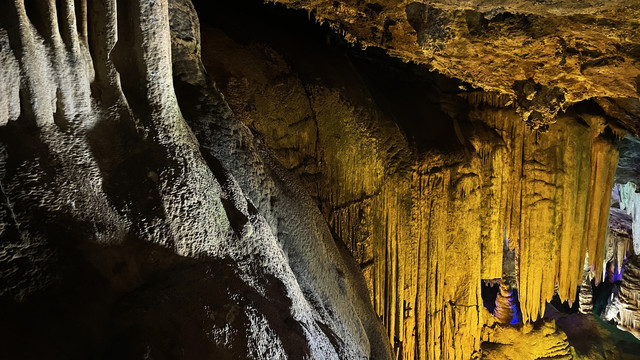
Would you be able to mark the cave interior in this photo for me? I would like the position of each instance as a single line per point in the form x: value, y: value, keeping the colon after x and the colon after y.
x: 313, y: 179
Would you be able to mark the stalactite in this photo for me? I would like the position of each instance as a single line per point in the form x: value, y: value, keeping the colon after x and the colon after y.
x: 619, y: 241
x: 542, y: 204
x: 603, y: 165
x: 548, y: 198
x: 482, y: 98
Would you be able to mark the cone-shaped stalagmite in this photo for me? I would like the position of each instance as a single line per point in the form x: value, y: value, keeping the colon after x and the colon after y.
x: 629, y: 297
x: 506, y: 310
x: 586, y: 296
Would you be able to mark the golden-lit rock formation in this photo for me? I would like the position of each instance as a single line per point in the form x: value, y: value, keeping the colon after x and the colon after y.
x: 427, y: 222
x: 542, y: 340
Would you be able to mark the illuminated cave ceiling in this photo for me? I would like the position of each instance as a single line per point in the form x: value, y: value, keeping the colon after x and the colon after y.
x: 319, y: 201
x: 545, y: 54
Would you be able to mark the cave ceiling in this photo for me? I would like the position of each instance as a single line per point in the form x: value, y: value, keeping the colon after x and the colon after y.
x: 546, y: 55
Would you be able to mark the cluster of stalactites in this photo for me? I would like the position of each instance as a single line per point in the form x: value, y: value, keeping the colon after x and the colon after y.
x: 542, y: 187
x: 555, y: 189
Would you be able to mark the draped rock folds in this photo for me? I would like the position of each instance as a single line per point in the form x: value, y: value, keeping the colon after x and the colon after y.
x: 540, y: 191
x: 124, y: 235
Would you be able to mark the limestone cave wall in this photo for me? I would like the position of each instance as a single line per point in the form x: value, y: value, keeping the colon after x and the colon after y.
x: 138, y: 224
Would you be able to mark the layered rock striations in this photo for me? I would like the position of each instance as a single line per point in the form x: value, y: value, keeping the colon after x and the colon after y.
x: 586, y: 296
x: 506, y: 309
x: 127, y: 236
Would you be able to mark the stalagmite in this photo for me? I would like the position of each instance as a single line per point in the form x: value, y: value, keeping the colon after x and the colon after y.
x: 586, y: 296
x: 506, y: 310
x: 629, y: 297
x: 542, y: 340
x: 630, y: 203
